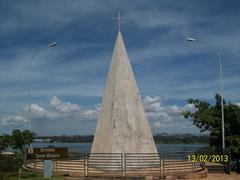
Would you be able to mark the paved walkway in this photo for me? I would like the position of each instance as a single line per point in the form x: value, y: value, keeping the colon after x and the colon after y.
x: 222, y: 176
x: 98, y: 178
x: 211, y: 176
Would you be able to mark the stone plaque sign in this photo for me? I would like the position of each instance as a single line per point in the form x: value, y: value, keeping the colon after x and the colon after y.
x: 47, y: 169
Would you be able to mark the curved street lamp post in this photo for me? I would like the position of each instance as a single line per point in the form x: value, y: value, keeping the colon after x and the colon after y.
x: 30, y: 85
x: 221, y: 81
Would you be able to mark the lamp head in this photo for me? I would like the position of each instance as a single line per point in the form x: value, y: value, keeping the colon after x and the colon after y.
x: 190, y: 39
x: 52, y: 44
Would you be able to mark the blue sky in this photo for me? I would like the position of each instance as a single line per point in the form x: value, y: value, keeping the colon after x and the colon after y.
x: 68, y: 80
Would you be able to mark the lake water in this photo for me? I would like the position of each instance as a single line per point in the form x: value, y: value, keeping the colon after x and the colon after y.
x: 86, y: 147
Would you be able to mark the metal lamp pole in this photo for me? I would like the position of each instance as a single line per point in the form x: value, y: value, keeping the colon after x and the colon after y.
x: 30, y: 85
x: 221, y: 81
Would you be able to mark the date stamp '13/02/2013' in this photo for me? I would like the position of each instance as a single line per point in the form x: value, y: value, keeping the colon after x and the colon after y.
x: 214, y: 158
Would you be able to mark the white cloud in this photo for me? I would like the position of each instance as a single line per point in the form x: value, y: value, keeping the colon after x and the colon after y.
x: 60, y: 118
x: 38, y: 111
x: 12, y: 120
x: 68, y: 109
x: 62, y: 110
x: 190, y: 107
x: 165, y: 117
x: 149, y: 99
x: 63, y: 106
x: 152, y: 104
x: 155, y: 18
x: 162, y: 117
x: 175, y: 109
x: 157, y: 124
x: 91, y: 113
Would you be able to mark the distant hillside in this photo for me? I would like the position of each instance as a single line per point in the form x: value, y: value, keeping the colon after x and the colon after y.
x: 159, y: 138
x: 181, y: 139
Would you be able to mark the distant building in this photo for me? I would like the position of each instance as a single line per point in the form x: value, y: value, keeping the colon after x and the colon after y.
x: 42, y: 140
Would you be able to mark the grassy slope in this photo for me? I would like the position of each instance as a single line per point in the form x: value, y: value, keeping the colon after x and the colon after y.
x: 26, y: 176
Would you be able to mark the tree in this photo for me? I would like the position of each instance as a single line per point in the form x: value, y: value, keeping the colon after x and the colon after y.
x: 18, y: 141
x: 21, y: 139
x: 207, y: 117
x: 5, y: 141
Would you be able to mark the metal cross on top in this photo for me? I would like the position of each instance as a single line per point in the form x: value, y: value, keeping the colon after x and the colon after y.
x: 119, y: 18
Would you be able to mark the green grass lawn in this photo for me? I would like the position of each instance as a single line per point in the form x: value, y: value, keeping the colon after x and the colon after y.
x: 26, y: 175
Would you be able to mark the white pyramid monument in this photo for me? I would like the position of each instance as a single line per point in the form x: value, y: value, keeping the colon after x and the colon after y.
x: 122, y: 125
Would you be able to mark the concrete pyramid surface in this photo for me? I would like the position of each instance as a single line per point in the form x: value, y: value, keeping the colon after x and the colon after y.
x: 122, y: 125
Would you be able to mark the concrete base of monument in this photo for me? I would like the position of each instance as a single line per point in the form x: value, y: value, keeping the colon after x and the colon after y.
x: 78, y: 168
